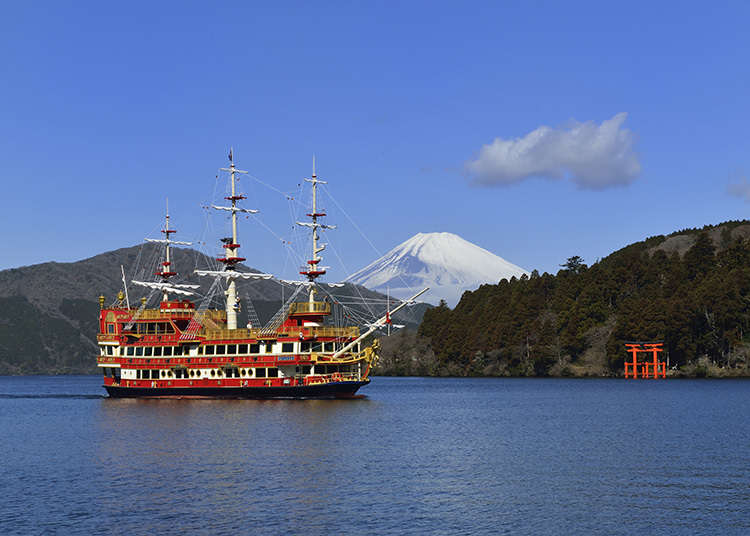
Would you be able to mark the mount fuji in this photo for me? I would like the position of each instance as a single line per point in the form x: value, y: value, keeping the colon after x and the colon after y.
x: 445, y: 262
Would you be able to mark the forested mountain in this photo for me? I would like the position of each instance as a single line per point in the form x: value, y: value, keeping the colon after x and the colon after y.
x: 690, y: 289
x: 48, y: 312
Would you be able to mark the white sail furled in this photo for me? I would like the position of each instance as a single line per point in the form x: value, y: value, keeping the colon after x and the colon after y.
x: 166, y: 287
x: 295, y: 282
x: 315, y: 225
x: 164, y: 241
x: 233, y: 274
x: 310, y: 283
x: 236, y: 209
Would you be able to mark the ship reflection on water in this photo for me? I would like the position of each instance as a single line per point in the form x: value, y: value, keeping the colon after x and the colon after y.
x: 234, y: 457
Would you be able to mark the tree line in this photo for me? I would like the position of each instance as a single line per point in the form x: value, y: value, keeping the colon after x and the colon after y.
x: 577, y: 321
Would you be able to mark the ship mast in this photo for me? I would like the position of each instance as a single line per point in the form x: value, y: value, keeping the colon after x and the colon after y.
x: 166, y: 270
x: 231, y: 246
x: 166, y: 266
x: 313, y: 270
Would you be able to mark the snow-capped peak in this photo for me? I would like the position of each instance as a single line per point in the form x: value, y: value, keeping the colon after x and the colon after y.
x: 445, y: 262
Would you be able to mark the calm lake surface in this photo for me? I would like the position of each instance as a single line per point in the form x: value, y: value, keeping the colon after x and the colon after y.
x: 416, y: 456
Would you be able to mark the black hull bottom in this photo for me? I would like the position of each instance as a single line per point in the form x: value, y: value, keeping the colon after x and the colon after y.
x: 327, y: 390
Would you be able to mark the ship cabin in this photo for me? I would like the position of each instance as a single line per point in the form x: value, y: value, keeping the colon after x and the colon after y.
x: 175, y: 346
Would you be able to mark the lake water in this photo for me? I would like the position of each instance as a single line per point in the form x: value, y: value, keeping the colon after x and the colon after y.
x: 416, y: 456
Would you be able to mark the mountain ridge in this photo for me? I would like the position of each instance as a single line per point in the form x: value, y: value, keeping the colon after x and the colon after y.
x: 443, y: 261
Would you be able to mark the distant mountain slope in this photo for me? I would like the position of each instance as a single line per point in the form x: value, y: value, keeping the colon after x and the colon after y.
x: 445, y: 262
x: 48, y: 312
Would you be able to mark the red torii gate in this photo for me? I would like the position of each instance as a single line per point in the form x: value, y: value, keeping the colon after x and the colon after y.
x: 644, y: 369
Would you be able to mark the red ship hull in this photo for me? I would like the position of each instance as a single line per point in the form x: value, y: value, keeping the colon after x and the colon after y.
x: 346, y: 389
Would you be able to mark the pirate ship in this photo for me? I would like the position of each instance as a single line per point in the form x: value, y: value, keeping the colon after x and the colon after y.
x: 182, y: 348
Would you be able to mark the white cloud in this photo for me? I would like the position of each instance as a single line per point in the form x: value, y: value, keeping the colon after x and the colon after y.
x: 593, y: 156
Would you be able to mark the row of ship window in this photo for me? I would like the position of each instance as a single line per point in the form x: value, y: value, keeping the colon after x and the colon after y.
x: 230, y: 372
x: 226, y: 349
x: 146, y: 328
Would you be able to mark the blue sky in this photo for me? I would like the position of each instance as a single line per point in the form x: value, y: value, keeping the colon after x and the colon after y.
x: 105, y: 110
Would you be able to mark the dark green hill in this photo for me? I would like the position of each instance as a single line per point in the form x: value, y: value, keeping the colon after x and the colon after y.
x: 48, y: 312
x: 690, y: 289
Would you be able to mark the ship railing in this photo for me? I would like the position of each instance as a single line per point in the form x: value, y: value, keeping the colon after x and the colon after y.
x: 329, y: 331
x: 156, y: 314
x: 310, y: 308
x: 106, y: 337
x: 226, y: 334
x: 328, y: 378
x: 301, y: 332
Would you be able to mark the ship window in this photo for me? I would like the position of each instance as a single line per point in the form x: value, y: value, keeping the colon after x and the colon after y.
x: 178, y: 351
x: 192, y: 373
x: 167, y: 351
x: 163, y: 373
x: 209, y: 350
x: 287, y: 347
x: 151, y: 327
x: 147, y: 351
x: 305, y: 347
x: 249, y: 373
x: 328, y: 347
x: 273, y: 372
x: 213, y: 372
x: 317, y: 347
x: 108, y: 350
x: 130, y: 350
x: 110, y: 328
x: 306, y: 369
x: 260, y: 373
x: 255, y: 348
x: 242, y: 349
x: 220, y: 349
x: 139, y: 328
x: 169, y: 328
x: 139, y: 351
x: 269, y: 347
x: 157, y: 351
x: 232, y: 349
